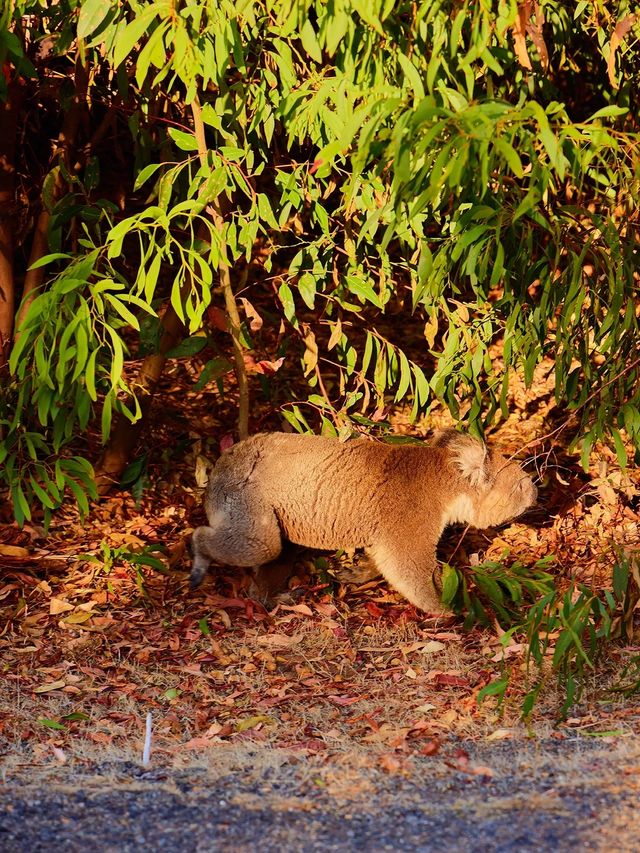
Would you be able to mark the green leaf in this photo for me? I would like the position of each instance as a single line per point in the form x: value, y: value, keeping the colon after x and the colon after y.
x: 92, y: 14
x: 495, y: 688
x: 188, y: 347
x: 79, y: 494
x: 621, y: 451
x: 412, y: 74
x: 117, y: 363
x: 289, y: 306
x: 47, y: 259
x: 123, y: 311
x: 132, y: 33
x: 608, y: 112
x: 450, y: 584
x: 310, y: 41
x: 510, y: 155
x: 214, y: 369
x: 145, y: 174
x: 184, y: 141
x: 307, y: 289
x: 51, y: 724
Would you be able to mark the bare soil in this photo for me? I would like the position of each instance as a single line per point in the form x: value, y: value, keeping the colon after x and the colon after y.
x: 554, y: 795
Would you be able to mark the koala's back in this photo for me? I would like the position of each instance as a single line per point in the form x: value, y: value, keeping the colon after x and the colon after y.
x: 325, y: 493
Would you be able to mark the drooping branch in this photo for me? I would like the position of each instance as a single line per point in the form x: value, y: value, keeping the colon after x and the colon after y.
x: 224, y: 274
x: 125, y: 435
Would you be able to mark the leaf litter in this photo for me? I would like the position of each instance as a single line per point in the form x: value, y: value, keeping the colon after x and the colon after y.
x: 93, y: 636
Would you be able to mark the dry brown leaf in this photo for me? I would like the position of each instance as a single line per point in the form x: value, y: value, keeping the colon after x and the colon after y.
x: 519, y: 30
x: 281, y: 641
x: 52, y: 685
x: 58, y: 605
x: 255, y: 320
x: 620, y: 31
x: 529, y: 22
x: 390, y: 763
x: 15, y: 551
x: 535, y: 33
x: 501, y: 734
x: 480, y: 770
x: 432, y: 646
x: 304, y: 609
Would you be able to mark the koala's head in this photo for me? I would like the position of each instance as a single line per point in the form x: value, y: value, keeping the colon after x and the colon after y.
x: 495, y: 489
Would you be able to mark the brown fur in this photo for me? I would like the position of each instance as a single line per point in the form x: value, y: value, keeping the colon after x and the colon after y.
x: 392, y: 500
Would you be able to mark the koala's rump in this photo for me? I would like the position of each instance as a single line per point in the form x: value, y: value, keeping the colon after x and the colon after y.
x: 325, y: 494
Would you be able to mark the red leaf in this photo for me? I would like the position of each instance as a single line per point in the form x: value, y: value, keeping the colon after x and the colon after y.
x: 374, y: 610
x: 431, y: 747
x: 344, y: 700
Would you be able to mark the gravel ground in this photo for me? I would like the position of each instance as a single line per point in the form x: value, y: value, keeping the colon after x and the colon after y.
x: 559, y: 795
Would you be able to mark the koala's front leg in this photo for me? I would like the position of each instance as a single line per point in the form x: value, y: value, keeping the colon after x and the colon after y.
x: 410, y: 572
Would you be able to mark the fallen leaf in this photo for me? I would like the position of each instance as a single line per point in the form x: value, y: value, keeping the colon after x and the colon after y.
x: 77, y: 618
x: 390, y: 763
x: 59, y: 755
x: 14, y: 551
x: 304, y: 609
x: 501, y: 734
x: 281, y: 641
x: 226, y: 442
x: 52, y: 685
x: 432, y: 646
x: 57, y: 605
x: 424, y: 709
x: 252, y: 722
x: 481, y: 770
x: 345, y: 700
x: 431, y: 747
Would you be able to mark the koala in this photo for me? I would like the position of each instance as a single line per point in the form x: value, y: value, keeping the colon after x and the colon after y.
x: 392, y: 500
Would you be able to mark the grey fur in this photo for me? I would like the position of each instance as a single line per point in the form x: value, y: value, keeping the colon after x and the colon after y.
x: 392, y: 500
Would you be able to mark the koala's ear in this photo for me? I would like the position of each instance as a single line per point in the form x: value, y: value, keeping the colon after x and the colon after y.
x: 469, y: 454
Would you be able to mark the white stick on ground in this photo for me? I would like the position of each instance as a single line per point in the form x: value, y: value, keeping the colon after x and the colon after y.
x: 146, y: 752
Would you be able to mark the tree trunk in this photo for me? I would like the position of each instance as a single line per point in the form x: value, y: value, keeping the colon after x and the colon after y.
x: 65, y: 150
x: 125, y: 435
x: 8, y: 127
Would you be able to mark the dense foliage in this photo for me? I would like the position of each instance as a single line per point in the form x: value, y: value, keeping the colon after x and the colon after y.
x: 470, y: 166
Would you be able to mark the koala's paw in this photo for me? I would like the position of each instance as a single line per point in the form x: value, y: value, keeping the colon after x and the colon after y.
x: 197, y: 576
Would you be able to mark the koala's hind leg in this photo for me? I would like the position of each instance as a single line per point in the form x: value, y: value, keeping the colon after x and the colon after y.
x: 235, y: 536
x: 410, y: 573
x: 271, y: 578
